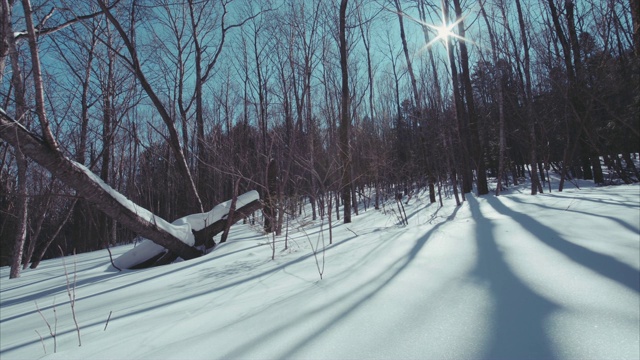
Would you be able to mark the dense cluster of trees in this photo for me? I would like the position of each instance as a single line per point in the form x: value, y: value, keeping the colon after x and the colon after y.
x: 180, y: 104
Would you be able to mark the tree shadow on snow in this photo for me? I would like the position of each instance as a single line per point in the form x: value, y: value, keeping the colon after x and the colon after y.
x: 357, y: 297
x: 603, y: 264
x: 626, y: 225
x: 519, y: 312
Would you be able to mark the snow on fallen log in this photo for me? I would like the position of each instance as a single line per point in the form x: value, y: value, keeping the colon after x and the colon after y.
x: 148, y: 251
x: 176, y: 228
x: 200, y: 221
x: 91, y: 188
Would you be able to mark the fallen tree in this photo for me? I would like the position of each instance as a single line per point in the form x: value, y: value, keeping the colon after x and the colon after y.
x: 203, y: 238
x: 115, y: 205
x: 202, y: 227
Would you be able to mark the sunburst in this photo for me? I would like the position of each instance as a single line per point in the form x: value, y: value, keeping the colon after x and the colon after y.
x: 445, y: 31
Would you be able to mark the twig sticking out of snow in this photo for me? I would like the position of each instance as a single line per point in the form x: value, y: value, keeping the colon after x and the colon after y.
x: 108, y: 318
x: 71, y: 290
x: 42, y: 342
x: 53, y: 331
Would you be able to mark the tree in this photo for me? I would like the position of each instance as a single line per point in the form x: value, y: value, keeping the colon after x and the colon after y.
x: 89, y: 187
x: 500, y: 98
x: 135, y: 65
x: 345, y: 116
x: 535, y: 181
x: 45, y: 151
x: 462, y: 130
x: 476, y: 142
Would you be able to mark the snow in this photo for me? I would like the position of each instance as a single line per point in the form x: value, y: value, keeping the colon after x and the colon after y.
x: 515, y: 276
x: 181, y: 228
x: 177, y: 231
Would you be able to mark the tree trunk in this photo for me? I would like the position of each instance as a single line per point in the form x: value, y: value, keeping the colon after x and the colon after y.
x: 205, y: 236
x: 31, y: 246
x: 345, y: 120
x: 474, y: 131
x: 21, y: 161
x: 174, y: 139
x: 6, y: 34
x: 36, y: 261
x: 535, y: 180
x: 272, y: 194
x: 232, y: 210
x: 462, y: 133
x: 405, y: 49
x: 90, y: 188
x: 21, y: 213
x: 500, y: 100
x: 37, y: 78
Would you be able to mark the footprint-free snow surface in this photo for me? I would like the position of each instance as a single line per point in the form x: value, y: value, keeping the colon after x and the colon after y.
x: 553, y: 276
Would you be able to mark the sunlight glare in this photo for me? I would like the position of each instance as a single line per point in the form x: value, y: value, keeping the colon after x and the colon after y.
x: 444, y: 31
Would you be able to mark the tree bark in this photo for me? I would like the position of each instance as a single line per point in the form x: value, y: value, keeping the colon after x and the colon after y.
x: 635, y: 19
x: 30, y: 247
x: 407, y: 57
x: 345, y: 120
x: 535, y: 180
x: 205, y: 236
x: 89, y: 188
x: 474, y: 136
x: 272, y: 194
x: 6, y: 34
x: 21, y: 162
x: 232, y: 210
x: 21, y: 213
x: 462, y: 133
x: 37, y: 78
x: 36, y: 261
x: 500, y: 99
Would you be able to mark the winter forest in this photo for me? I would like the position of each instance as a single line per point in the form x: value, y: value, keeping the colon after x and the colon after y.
x: 179, y: 105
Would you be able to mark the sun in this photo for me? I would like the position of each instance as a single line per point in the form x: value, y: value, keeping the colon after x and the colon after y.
x: 445, y: 31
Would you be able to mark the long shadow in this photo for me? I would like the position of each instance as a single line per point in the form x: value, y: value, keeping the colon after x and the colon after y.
x: 418, y: 210
x: 79, y: 265
x: 207, y: 292
x: 518, y: 331
x: 399, y: 265
x: 99, y: 278
x: 622, y: 223
x: 603, y: 264
x: 54, y: 289
x: 59, y: 333
x: 155, y: 276
x: 612, y: 202
x: 173, y: 300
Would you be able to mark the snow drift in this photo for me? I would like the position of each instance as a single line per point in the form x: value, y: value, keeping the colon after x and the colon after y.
x: 551, y: 276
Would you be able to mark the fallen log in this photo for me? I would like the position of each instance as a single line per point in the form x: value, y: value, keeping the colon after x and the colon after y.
x: 205, y: 236
x: 93, y: 189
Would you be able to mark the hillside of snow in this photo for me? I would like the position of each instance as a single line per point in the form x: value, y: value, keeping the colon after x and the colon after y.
x: 554, y: 276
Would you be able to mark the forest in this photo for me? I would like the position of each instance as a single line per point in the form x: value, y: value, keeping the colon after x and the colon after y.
x: 180, y: 105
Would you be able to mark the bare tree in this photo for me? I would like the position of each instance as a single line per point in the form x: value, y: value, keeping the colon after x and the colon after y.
x: 345, y: 116
x: 535, y: 181
x: 500, y: 97
x: 134, y: 62
x: 90, y: 188
x: 462, y: 131
x: 474, y: 131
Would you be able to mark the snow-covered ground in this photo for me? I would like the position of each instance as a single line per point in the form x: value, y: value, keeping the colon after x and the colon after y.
x: 554, y: 276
